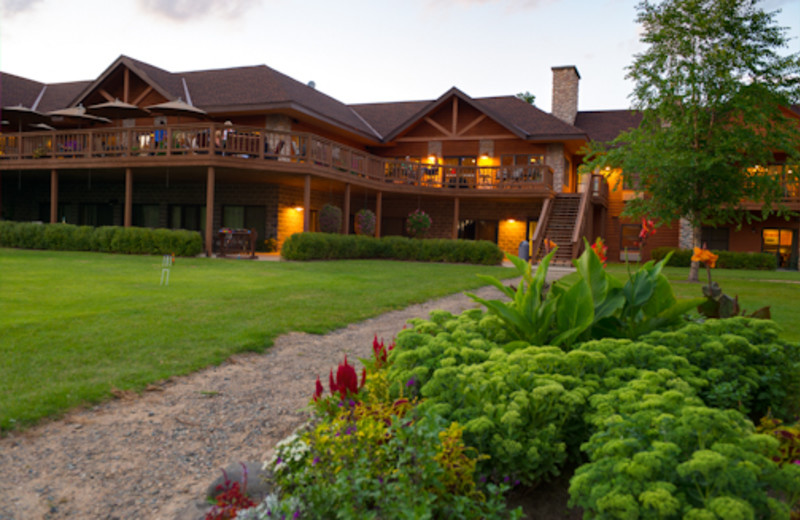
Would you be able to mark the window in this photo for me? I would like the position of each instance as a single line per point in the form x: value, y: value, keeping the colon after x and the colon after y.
x: 146, y: 215
x: 778, y: 241
x: 97, y: 215
x: 629, y: 240
x: 246, y: 217
x: 191, y: 217
x: 516, y: 166
x: 715, y: 238
x: 478, y: 230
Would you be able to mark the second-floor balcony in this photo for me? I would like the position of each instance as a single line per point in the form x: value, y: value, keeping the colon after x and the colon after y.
x: 258, y: 148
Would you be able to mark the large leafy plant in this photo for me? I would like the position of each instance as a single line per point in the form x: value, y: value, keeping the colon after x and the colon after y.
x: 597, y: 305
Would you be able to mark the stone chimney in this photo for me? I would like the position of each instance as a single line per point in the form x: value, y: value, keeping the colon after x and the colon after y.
x: 565, y: 93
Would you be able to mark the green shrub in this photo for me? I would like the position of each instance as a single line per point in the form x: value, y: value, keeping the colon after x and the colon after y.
x: 326, y: 246
x: 658, y: 452
x: 375, y: 461
x: 727, y: 259
x: 109, y: 239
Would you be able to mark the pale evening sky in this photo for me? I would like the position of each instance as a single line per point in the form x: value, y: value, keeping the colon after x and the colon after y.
x: 356, y: 51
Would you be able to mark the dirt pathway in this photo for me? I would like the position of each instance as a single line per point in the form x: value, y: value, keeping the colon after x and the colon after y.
x: 148, y: 456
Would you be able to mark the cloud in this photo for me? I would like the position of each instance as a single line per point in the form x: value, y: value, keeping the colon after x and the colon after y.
x: 186, y: 10
x: 510, y: 5
x: 14, y: 7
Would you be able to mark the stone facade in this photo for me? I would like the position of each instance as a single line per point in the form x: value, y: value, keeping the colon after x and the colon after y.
x: 565, y: 93
x: 554, y: 158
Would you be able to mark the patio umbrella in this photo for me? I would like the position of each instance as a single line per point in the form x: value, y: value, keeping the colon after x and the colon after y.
x: 118, y: 110
x: 178, y: 108
x: 42, y: 126
x: 76, y: 115
x: 20, y: 115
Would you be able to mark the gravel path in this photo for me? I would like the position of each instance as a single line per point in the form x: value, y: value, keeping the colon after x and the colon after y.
x: 151, y: 456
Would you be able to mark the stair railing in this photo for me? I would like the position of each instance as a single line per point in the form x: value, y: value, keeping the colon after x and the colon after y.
x: 541, y: 228
x: 580, y: 221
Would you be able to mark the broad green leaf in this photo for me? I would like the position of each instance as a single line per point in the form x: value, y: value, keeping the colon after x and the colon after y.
x: 575, y: 313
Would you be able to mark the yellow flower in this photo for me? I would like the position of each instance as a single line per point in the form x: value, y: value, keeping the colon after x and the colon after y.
x: 549, y: 244
x: 705, y: 256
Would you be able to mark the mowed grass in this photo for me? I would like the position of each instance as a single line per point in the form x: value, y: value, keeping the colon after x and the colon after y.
x: 75, y: 326
x: 778, y: 289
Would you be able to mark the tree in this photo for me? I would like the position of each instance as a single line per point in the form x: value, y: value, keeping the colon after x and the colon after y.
x: 527, y: 97
x: 713, y: 92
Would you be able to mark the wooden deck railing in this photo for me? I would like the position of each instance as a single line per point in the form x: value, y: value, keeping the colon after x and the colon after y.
x: 264, y: 145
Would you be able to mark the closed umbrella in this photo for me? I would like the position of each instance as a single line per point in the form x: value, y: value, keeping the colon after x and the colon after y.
x: 118, y: 110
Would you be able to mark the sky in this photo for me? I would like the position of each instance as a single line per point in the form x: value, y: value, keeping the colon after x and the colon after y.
x: 357, y: 51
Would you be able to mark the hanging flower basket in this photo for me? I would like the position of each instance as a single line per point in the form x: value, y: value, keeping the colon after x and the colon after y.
x: 365, y: 222
x: 418, y: 223
x: 330, y: 219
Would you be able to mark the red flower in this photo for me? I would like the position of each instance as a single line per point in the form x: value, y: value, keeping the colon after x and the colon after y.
x: 319, y: 390
x: 346, y: 381
x: 380, y: 351
x: 600, y: 250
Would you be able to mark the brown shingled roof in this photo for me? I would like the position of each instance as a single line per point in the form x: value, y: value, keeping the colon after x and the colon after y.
x: 523, y: 119
x: 385, y: 117
x: 59, y: 95
x: 261, y: 87
x: 16, y: 90
x: 605, y: 125
x: 534, y: 122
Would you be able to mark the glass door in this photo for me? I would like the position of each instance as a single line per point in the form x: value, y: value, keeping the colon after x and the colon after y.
x: 778, y: 241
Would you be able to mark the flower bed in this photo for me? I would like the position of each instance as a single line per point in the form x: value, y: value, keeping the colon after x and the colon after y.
x: 656, y: 411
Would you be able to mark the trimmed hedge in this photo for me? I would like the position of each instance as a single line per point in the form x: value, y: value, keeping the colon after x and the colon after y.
x: 329, y: 246
x: 108, y: 239
x: 727, y: 259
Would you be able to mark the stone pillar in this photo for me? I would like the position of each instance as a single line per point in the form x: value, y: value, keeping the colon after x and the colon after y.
x: 53, y: 196
x: 307, y: 204
x: 565, y: 93
x: 554, y: 158
x: 210, y: 211
x: 346, y: 210
x: 128, y: 220
x: 378, y: 213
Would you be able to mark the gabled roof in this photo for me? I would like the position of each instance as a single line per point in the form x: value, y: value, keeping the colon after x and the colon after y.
x: 524, y: 120
x: 606, y: 125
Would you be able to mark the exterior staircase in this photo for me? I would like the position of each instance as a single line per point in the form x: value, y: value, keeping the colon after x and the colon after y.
x: 561, y: 217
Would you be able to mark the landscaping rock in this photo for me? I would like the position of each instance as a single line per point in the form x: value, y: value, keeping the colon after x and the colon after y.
x: 259, y: 481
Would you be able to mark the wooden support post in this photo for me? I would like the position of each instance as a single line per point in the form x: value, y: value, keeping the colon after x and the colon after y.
x: 307, y: 204
x: 1, y: 195
x: 53, y: 196
x: 210, y: 211
x: 126, y: 84
x: 346, y: 210
x: 378, y: 211
x: 455, y: 218
x: 128, y: 220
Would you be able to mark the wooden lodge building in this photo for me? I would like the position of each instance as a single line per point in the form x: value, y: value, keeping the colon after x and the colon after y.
x: 249, y: 147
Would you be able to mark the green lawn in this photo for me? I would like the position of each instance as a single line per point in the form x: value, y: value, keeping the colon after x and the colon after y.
x: 778, y: 289
x: 74, y: 326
